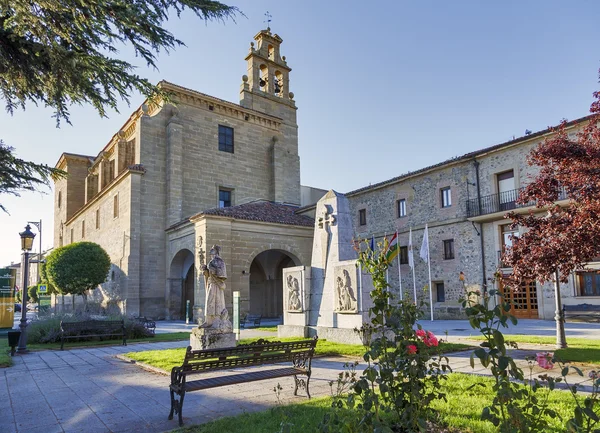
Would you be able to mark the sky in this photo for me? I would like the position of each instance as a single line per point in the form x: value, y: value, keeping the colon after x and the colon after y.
x: 382, y: 87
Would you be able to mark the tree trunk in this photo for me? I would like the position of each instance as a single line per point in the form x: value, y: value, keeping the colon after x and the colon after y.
x: 561, y: 339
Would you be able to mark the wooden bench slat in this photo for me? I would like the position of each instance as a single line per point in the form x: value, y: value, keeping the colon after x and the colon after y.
x: 214, y: 382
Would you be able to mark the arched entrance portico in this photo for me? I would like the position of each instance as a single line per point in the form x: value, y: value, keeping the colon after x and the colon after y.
x: 180, y: 284
x: 266, y: 282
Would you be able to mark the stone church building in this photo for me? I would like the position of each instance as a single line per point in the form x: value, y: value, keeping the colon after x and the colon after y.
x: 176, y: 179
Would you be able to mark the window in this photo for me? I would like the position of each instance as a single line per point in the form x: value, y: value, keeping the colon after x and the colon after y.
x: 448, y: 249
x: 440, y: 292
x: 72, y: 236
x: 82, y: 229
x: 446, y: 197
x: 404, y: 255
x: 59, y: 198
x: 589, y: 283
x: 507, y: 194
x: 225, y: 139
x: 401, y: 208
x: 362, y: 217
x: 97, y: 219
x: 116, y: 206
x: 224, y: 198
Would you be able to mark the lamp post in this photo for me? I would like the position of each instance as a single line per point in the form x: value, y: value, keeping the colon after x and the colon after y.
x: 38, y: 225
x: 26, y: 244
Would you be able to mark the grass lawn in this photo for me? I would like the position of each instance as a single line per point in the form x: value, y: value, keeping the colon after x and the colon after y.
x: 167, y: 359
x: 462, y: 411
x: 272, y: 328
x: 6, y: 360
x: 579, y: 350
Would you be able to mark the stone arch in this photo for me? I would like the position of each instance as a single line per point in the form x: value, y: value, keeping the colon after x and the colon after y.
x: 181, y: 284
x: 296, y: 256
x: 265, y: 295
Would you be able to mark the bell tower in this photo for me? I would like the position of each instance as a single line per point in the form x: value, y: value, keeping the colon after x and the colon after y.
x: 266, y: 89
x: 266, y: 86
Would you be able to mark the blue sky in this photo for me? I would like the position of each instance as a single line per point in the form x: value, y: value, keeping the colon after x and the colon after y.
x: 382, y: 87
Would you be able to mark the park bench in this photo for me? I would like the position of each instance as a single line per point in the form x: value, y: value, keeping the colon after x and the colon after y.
x: 260, y: 353
x: 149, y: 324
x: 582, y: 311
x: 250, y: 321
x: 92, y: 328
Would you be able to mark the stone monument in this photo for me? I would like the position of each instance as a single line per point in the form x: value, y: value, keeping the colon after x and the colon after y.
x: 334, y: 293
x: 216, y: 331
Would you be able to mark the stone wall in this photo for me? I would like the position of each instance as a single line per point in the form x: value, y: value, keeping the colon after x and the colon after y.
x: 422, y: 193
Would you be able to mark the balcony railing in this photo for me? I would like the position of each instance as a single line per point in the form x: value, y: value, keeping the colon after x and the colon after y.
x: 502, y: 202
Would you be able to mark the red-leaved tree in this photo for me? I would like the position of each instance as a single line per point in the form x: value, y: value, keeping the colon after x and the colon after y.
x: 560, y: 239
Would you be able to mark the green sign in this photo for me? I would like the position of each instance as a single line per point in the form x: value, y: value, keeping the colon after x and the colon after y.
x: 42, y: 288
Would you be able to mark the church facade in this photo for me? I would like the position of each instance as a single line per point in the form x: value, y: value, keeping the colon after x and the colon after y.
x: 177, y: 178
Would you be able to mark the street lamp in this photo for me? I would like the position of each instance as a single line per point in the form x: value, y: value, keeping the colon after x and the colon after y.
x: 26, y: 244
x: 38, y: 225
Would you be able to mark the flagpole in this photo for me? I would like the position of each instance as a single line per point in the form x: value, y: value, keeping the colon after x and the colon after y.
x: 413, y: 266
x: 399, y: 270
x: 429, y: 266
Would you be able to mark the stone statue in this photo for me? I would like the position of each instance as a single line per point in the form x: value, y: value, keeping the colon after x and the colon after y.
x: 346, y: 301
x: 294, y: 303
x: 215, y: 274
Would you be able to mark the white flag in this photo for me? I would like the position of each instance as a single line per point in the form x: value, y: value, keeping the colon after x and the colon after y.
x: 411, y: 258
x: 424, y: 253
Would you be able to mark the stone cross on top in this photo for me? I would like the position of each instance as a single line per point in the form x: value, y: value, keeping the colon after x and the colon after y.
x: 328, y: 218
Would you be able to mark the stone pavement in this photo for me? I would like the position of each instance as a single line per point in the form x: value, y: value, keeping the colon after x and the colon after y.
x: 90, y: 390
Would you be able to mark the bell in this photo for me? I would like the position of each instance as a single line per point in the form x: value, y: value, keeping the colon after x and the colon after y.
x: 262, y: 83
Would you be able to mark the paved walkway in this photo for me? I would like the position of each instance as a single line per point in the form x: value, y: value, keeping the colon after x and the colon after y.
x: 90, y: 390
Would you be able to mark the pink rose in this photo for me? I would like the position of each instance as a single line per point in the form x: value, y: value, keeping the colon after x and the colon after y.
x: 420, y: 333
x: 431, y: 341
x: 544, y: 360
x: 411, y: 349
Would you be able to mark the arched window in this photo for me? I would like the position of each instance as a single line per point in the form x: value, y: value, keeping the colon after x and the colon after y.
x: 264, y: 77
x: 278, y: 84
x: 271, y: 52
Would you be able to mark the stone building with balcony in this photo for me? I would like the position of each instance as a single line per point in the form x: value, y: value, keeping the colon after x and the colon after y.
x: 463, y: 202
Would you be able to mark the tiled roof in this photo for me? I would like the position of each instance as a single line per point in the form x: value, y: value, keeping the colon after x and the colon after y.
x: 470, y: 155
x: 265, y: 211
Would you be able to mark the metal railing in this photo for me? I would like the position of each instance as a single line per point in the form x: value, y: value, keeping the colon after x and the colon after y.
x: 501, y: 202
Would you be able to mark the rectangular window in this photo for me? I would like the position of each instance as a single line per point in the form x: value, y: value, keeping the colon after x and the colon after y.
x: 97, y: 219
x: 82, y: 229
x: 448, y: 249
x: 72, y: 236
x: 225, y: 139
x: 440, y: 292
x: 224, y: 198
x: 116, y: 206
x: 401, y: 208
x: 362, y: 217
x: 404, y: 255
x: 589, y: 283
x: 59, y: 198
x: 446, y: 197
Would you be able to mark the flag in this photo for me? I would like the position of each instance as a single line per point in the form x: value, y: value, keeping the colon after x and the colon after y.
x: 424, y: 253
x: 392, y: 248
x: 372, y: 244
x: 411, y: 258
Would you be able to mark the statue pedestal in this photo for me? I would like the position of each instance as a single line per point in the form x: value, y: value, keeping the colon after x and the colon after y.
x: 212, y: 338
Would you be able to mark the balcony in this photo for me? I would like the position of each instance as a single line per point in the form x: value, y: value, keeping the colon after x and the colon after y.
x: 502, y: 202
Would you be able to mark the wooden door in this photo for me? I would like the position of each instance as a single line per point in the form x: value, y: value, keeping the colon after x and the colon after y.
x: 523, y: 299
